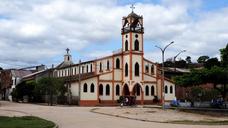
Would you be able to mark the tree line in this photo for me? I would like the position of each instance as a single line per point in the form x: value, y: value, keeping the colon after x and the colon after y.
x: 214, y: 72
x: 35, y: 90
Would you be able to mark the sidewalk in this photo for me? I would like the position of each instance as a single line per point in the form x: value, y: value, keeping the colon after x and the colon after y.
x: 155, y: 114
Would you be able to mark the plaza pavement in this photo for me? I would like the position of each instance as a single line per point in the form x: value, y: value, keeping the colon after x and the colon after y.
x: 81, y: 117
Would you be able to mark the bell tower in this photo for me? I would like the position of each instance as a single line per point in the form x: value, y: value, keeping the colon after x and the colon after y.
x: 132, y: 47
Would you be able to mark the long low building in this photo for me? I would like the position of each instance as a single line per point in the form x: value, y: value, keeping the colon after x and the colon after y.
x: 126, y: 72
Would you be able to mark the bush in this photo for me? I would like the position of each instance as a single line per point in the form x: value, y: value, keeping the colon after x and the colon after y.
x: 200, y: 94
x: 210, y: 94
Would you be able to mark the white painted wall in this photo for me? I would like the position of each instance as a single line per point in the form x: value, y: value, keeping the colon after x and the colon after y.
x: 120, y: 58
x: 150, y: 96
x: 149, y: 78
x: 89, y: 95
x: 137, y: 58
x: 139, y: 39
x: 126, y: 37
x: 74, y: 88
x: 104, y: 96
x: 116, y: 97
x: 118, y: 74
x: 126, y: 59
x: 107, y: 76
x: 169, y: 96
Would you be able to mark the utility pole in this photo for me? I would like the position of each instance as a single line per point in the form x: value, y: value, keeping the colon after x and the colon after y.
x: 79, y: 82
x: 174, y: 59
x: 163, y: 73
x: 69, y: 87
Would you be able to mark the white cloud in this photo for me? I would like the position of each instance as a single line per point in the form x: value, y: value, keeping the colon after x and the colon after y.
x: 32, y: 32
x: 98, y: 54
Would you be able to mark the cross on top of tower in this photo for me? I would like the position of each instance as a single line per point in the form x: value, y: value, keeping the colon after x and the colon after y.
x: 132, y: 7
x: 67, y: 50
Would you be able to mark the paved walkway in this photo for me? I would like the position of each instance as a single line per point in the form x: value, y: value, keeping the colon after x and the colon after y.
x: 81, y: 117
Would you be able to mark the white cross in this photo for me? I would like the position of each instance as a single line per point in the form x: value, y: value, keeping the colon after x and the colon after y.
x: 67, y: 50
x: 132, y: 7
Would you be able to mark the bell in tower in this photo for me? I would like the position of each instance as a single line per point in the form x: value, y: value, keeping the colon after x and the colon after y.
x: 132, y: 23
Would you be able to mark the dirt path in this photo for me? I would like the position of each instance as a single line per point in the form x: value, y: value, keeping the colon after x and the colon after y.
x: 81, y: 117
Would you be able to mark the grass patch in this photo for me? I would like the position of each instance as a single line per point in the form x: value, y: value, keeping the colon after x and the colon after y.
x: 25, y: 122
x: 212, y: 122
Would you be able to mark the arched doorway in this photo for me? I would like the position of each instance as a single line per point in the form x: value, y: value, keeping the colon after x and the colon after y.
x: 138, y: 92
x: 126, y: 91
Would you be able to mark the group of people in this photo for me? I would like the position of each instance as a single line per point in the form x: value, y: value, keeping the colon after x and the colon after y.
x: 218, y: 103
x: 128, y: 101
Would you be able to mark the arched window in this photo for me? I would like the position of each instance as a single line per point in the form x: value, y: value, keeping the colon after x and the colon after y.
x: 138, y: 90
x: 152, y: 69
x: 107, y: 65
x: 117, y: 63
x: 107, y: 89
x: 147, y: 68
x: 136, y: 69
x: 85, y: 87
x: 171, y: 89
x: 126, y: 69
x: 117, y: 90
x: 75, y: 70
x: 91, y: 68
x: 136, y: 45
x: 82, y: 69
x: 166, y: 89
x: 126, y: 45
x: 87, y: 68
x: 100, y: 66
x: 100, y: 89
x: 92, y: 87
x: 147, y: 90
x: 152, y: 90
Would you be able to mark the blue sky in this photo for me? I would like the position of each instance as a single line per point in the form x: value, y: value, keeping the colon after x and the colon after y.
x: 38, y: 32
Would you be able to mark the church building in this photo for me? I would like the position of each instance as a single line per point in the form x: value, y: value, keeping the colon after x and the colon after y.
x: 124, y: 73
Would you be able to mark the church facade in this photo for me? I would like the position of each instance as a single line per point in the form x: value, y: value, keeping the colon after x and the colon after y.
x: 125, y: 72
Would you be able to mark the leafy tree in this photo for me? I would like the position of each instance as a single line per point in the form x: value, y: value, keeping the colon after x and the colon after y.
x: 202, y: 59
x: 24, y: 89
x: 168, y: 64
x: 216, y: 76
x: 224, y: 55
x: 211, y: 62
x: 212, y: 73
x: 181, y: 64
x: 195, y: 93
x: 50, y: 86
x: 1, y: 68
x: 198, y: 93
x: 188, y: 60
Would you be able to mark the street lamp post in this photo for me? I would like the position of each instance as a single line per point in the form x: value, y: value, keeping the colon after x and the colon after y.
x: 79, y: 82
x: 163, y: 73
x: 174, y: 59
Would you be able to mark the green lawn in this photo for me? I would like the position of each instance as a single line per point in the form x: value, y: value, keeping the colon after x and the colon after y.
x: 24, y: 122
